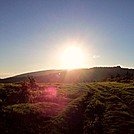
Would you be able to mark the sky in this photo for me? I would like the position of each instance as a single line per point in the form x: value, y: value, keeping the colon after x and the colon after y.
x: 34, y: 33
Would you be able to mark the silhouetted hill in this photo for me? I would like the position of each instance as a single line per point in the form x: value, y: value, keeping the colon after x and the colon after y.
x: 76, y: 75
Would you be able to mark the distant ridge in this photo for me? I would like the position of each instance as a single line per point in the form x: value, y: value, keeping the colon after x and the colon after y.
x: 74, y: 75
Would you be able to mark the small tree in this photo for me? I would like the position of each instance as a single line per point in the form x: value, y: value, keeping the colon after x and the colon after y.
x: 25, y: 92
x: 32, y: 82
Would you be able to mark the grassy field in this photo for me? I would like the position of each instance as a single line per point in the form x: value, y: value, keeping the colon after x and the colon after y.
x: 75, y: 108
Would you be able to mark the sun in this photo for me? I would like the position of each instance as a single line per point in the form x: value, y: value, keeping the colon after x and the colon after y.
x: 73, y: 57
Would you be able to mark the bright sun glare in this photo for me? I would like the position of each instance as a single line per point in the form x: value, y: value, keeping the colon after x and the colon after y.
x: 73, y: 57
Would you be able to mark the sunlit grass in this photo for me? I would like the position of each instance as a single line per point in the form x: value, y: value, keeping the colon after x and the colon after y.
x: 106, y: 107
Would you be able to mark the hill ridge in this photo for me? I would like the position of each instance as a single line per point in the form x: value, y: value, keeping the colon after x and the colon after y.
x: 74, y: 75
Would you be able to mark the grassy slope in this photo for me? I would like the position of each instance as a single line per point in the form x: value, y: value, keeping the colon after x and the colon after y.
x: 76, y: 75
x: 96, y: 108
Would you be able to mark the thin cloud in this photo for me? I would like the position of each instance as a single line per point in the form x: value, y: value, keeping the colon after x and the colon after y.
x: 96, y: 56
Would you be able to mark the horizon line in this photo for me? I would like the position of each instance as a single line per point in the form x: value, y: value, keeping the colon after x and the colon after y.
x: 35, y: 71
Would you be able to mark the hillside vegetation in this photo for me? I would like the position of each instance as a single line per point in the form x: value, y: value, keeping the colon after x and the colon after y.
x: 71, y: 108
x: 76, y: 75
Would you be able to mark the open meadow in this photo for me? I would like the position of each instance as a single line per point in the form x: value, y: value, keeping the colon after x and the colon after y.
x: 69, y: 108
x: 66, y: 66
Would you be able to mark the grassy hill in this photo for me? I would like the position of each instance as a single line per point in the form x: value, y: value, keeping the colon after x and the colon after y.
x: 76, y: 75
x: 69, y: 108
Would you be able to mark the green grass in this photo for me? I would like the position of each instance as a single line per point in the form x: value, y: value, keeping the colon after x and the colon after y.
x: 82, y: 108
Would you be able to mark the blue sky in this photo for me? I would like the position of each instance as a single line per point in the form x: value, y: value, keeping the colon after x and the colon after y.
x: 33, y: 33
